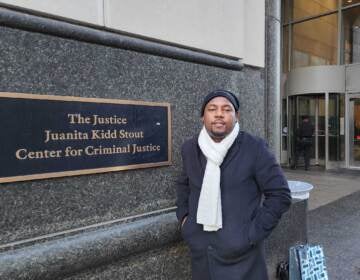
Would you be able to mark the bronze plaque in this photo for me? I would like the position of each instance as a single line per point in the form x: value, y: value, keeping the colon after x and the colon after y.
x: 44, y: 136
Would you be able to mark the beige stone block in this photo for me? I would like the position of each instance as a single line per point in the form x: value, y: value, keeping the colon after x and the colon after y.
x: 89, y: 11
x: 212, y: 25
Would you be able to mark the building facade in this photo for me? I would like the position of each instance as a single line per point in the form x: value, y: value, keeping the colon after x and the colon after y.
x: 320, y: 70
x: 122, y: 225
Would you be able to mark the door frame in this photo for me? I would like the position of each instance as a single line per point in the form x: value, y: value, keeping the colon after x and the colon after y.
x: 349, y: 129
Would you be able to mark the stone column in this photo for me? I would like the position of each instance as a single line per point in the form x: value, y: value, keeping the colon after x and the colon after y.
x: 272, y: 74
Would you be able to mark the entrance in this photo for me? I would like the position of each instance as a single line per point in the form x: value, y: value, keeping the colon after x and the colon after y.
x: 330, y: 96
x: 312, y: 106
x: 326, y: 112
x: 354, y: 131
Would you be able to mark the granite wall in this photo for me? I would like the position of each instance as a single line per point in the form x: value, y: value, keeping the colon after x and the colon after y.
x: 38, y: 63
x: 118, y: 224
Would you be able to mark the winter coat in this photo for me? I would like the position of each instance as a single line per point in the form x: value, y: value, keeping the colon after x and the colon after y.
x: 254, y: 195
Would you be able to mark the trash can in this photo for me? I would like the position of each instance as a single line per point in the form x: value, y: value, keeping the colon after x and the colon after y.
x: 300, y: 190
x: 300, y: 193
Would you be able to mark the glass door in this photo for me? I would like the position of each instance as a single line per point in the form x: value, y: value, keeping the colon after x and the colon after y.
x: 312, y: 106
x: 336, y: 131
x: 320, y: 133
x: 354, y: 129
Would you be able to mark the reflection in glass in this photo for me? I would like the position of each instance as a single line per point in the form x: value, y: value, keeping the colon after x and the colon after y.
x: 306, y: 8
x: 351, y: 20
x: 356, y: 136
x: 315, y: 42
x: 320, y: 127
x: 336, y: 127
x: 350, y: 2
x: 307, y: 107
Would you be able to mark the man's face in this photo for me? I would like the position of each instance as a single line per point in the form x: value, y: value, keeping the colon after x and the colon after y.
x: 219, y: 118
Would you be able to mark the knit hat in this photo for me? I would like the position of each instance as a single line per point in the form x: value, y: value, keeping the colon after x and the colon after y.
x: 223, y: 93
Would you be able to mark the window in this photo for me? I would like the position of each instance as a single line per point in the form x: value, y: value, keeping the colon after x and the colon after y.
x: 315, y: 42
x: 351, y: 30
x: 350, y: 2
x: 307, y: 8
x: 285, y: 50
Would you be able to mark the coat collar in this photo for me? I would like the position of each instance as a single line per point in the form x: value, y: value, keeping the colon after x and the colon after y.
x: 229, y: 156
x: 234, y: 149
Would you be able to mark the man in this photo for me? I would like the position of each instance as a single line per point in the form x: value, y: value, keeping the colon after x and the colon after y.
x: 227, y: 173
x: 304, y: 142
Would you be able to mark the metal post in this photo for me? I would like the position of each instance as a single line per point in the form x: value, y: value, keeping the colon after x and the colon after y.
x: 326, y: 130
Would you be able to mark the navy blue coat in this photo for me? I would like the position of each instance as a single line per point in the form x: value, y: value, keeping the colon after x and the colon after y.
x: 254, y: 195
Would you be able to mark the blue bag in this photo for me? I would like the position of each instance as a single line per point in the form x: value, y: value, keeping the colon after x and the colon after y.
x: 307, y: 262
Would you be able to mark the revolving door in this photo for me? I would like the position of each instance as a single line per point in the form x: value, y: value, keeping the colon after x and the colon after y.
x: 326, y: 112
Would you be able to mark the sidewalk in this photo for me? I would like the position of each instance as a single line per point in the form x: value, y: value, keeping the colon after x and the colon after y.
x: 328, y: 186
x: 334, y: 219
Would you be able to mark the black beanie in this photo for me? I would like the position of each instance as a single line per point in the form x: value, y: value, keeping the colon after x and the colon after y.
x: 223, y: 93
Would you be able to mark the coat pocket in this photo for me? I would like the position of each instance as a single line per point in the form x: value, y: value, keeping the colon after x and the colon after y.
x: 186, y: 228
x: 233, y: 243
x: 193, y: 235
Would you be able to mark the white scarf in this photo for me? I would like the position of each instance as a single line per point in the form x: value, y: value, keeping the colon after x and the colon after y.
x: 209, y: 212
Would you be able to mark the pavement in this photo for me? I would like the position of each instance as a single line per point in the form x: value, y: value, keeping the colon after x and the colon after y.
x: 334, y: 218
x: 329, y: 186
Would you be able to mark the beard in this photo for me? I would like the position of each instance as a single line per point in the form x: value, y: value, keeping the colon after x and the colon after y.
x: 219, y: 135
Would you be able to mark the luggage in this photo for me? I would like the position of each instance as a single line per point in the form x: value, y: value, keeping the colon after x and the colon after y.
x: 307, y: 262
